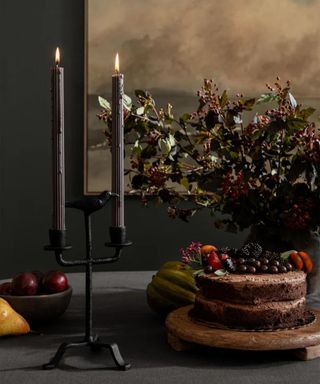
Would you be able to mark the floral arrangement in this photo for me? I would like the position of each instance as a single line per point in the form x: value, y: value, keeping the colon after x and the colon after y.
x: 262, y: 172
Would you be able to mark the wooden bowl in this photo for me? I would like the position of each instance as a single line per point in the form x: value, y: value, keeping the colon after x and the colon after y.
x: 40, y: 308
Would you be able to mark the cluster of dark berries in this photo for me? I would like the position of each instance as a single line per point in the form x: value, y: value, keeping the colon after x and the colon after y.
x: 263, y: 265
x: 252, y: 258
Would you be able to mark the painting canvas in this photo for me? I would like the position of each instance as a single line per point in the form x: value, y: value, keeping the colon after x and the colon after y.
x: 169, y: 47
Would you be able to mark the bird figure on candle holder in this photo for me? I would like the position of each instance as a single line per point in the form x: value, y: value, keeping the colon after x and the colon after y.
x: 90, y: 204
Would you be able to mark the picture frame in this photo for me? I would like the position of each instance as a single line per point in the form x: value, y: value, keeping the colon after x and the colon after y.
x: 171, y: 56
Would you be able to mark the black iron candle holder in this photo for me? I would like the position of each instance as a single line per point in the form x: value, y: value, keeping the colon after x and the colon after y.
x: 59, y: 245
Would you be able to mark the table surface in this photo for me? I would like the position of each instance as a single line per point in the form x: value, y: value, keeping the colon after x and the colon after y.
x: 122, y: 315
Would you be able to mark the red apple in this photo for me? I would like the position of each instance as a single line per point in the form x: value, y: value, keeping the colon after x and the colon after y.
x: 55, y: 281
x: 24, y: 284
x: 5, y: 288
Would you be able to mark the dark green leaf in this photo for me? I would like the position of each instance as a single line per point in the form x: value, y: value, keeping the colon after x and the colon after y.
x: 185, y: 117
x: 248, y: 104
x: 267, y: 97
x: 296, y: 124
x: 306, y: 113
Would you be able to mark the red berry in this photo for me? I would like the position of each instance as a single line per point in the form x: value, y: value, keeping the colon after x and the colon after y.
x: 224, y: 256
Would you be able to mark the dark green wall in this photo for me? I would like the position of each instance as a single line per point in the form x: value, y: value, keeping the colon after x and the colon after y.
x: 30, y: 31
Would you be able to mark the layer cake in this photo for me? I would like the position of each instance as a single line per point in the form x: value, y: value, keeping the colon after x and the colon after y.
x: 252, y: 301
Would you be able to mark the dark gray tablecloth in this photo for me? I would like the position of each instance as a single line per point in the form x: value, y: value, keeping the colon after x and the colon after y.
x: 122, y: 315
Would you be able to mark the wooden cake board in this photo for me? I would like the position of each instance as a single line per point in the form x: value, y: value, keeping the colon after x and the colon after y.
x: 183, y: 334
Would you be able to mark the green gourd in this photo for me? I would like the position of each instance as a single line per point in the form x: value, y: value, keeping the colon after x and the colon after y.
x: 172, y: 287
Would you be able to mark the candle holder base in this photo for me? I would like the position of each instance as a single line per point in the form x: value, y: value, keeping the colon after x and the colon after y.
x: 95, y: 345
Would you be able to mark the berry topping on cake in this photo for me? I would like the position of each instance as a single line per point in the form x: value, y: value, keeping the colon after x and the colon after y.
x: 249, y: 259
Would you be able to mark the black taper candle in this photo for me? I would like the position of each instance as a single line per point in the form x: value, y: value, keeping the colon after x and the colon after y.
x: 117, y: 148
x: 58, y: 166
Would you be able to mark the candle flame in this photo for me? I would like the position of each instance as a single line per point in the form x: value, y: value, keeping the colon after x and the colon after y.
x: 116, y: 65
x: 57, y: 58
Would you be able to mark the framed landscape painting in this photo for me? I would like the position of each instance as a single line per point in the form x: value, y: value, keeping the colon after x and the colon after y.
x: 168, y: 48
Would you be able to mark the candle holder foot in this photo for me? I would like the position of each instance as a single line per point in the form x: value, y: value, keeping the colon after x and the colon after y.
x: 95, y: 345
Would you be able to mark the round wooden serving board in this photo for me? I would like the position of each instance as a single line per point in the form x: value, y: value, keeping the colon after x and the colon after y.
x: 183, y: 332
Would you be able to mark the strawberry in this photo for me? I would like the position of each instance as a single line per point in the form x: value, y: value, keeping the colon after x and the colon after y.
x: 214, y: 261
x: 224, y: 256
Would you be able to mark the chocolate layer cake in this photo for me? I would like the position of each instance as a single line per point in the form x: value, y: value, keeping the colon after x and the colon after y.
x: 260, y: 301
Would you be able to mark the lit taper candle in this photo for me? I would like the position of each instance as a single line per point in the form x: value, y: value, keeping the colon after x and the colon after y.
x: 58, y: 168
x: 117, y: 147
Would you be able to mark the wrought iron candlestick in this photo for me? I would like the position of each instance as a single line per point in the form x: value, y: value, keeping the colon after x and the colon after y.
x: 88, y: 205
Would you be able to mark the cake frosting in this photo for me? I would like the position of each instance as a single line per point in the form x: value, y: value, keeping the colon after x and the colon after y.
x: 259, y: 301
x: 253, y: 289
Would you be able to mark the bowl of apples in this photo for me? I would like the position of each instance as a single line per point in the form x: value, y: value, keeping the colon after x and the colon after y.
x: 38, y: 297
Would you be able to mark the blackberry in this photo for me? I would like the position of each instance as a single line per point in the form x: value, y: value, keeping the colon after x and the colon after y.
x: 229, y: 265
x: 270, y: 255
x: 256, y: 250
x: 224, y: 250
x: 251, y: 250
x: 267, y: 254
x: 243, y: 252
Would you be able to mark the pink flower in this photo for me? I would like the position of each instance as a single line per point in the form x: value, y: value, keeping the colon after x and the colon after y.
x: 191, y: 254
